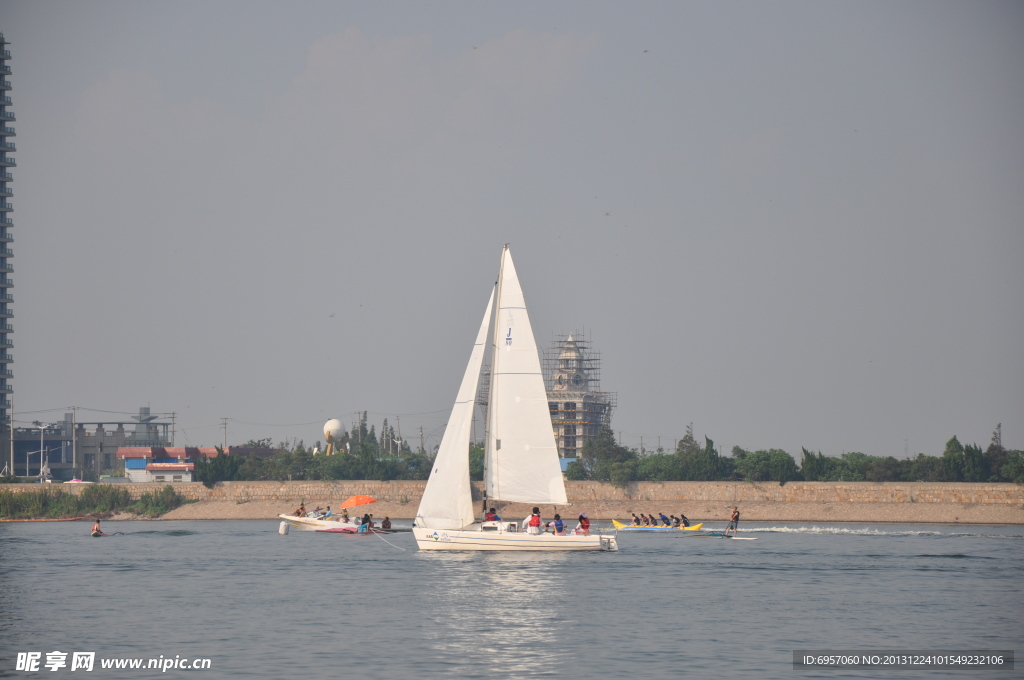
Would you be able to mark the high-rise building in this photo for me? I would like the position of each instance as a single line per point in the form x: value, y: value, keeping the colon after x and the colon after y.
x: 6, y: 163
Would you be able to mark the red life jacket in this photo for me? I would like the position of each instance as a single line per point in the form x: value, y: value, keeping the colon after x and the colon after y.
x: 534, y: 520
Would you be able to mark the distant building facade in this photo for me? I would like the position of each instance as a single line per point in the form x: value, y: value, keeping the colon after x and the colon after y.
x: 6, y: 298
x: 68, y: 449
x: 578, y: 406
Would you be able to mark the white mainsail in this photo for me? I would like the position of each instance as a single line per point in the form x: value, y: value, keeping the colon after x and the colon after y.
x: 521, y: 462
x: 447, y: 500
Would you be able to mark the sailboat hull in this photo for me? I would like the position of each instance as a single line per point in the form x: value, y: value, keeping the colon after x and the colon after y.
x: 447, y: 539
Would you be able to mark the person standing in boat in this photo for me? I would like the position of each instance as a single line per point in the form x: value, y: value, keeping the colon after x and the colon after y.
x: 734, y: 521
x: 533, y: 522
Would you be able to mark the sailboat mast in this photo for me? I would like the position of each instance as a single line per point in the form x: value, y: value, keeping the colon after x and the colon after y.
x: 489, y: 449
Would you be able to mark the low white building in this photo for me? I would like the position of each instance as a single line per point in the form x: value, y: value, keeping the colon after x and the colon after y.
x: 162, y: 463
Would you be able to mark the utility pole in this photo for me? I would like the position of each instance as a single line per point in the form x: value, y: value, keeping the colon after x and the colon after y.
x: 224, y: 424
x: 422, y: 450
x: 173, y: 415
x: 74, y: 441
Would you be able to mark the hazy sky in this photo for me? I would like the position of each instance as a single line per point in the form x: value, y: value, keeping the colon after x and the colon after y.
x: 789, y: 223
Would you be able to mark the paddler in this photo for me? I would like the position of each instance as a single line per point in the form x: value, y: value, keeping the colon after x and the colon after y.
x: 734, y: 521
x: 96, y: 531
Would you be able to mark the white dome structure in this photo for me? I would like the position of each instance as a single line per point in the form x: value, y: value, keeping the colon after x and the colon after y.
x: 333, y: 432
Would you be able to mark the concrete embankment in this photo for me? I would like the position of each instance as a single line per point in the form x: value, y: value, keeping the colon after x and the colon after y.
x: 763, y: 501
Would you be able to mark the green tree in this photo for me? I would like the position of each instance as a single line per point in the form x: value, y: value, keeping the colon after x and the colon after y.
x: 604, y: 460
x: 815, y: 467
x: 953, y: 461
x: 771, y: 465
x: 926, y: 469
x: 886, y: 469
x: 975, y: 464
x: 704, y: 464
x: 1013, y: 468
x: 220, y: 468
x: 476, y: 462
x: 688, y: 444
x: 995, y: 456
x: 658, y: 467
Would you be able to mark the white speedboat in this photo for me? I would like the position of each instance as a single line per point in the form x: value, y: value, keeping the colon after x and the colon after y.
x: 314, y: 522
x: 520, y: 462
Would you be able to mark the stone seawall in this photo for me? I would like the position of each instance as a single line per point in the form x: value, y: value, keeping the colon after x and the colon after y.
x: 766, y: 501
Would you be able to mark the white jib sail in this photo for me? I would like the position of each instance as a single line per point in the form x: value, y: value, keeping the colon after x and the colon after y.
x: 522, y: 459
x: 447, y: 501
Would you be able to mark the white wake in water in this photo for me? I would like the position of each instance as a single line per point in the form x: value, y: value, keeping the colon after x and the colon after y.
x: 868, y: 531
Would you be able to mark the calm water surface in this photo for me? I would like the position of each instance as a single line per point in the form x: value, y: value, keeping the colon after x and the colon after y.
x: 311, y: 606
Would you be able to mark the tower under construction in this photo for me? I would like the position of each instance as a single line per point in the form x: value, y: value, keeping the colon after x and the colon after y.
x: 578, y: 406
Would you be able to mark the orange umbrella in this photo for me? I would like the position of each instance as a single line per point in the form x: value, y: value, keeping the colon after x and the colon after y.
x: 353, y: 501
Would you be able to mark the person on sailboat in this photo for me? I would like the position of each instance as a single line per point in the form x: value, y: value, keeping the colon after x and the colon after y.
x: 583, y: 526
x: 558, y: 526
x: 533, y: 523
x: 491, y: 516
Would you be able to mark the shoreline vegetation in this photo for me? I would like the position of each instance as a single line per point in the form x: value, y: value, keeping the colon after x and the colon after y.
x: 99, y: 501
x: 605, y: 460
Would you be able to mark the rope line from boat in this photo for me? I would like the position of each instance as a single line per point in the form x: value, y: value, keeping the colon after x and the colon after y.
x: 387, y: 541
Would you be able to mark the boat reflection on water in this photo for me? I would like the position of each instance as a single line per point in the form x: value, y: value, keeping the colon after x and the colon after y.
x: 496, y: 611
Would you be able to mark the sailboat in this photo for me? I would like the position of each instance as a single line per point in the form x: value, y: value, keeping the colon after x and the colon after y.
x: 520, y: 457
